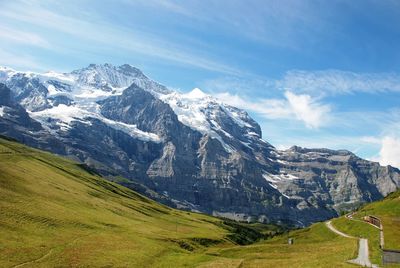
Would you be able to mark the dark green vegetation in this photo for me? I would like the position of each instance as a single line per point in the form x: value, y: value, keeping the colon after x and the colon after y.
x: 57, y: 213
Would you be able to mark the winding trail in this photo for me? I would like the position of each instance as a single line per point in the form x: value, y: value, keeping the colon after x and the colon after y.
x: 333, y: 229
x: 35, y: 260
x: 49, y: 252
x: 363, y: 252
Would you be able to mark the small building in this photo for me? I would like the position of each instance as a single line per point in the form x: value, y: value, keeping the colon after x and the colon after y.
x: 373, y: 220
x: 390, y: 256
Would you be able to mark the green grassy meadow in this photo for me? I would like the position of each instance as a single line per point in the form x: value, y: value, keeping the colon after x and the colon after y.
x: 51, y: 207
x: 388, y: 210
x: 315, y: 246
x: 55, y: 213
x: 364, y: 230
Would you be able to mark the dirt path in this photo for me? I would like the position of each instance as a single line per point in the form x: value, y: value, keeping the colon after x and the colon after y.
x: 363, y: 252
x: 48, y: 253
x: 36, y: 260
x: 333, y: 229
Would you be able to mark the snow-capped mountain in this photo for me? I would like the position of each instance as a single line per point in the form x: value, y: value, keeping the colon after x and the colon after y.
x: 185, y: 149
x: 68, y: 97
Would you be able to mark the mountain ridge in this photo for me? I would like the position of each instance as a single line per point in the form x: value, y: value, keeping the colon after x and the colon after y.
x: 189, y: 148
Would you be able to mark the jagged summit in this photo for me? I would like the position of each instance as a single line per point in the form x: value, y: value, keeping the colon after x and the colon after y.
x: 108, y: 77
x: 110, y: 69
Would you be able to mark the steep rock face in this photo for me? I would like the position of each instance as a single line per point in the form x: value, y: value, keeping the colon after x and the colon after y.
x: 338, y: 178
x: 188, y: 150
x: 163, y: 166
x: 15, y: 122
x: 193, y: 169
x: 139, y: 107
x: 29, y: 92
x: 12, y: 114
x: 108, y: 77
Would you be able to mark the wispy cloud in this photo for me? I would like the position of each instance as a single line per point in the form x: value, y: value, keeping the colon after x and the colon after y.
x: 240, y: 85
x: 333, y: 82
x: 112, y: 36
x: 299, y: 107
x: 272, y: 22
x: 22, y: 37
x: 167, y: 5
x: 319, y: 84
x: 308, y: 110
x: 19, y: 61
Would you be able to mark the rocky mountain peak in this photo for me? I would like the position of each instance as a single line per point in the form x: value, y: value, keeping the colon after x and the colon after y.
x: 108, y: 77
x: 108, y: 68
x: 5, y: 95
x: 5, y: 72
x: 103, y: 76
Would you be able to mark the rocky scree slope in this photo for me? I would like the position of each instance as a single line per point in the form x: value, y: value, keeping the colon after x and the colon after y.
x: 187, y: 150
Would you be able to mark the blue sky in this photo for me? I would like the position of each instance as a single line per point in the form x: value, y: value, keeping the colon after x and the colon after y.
x: 312, y: 73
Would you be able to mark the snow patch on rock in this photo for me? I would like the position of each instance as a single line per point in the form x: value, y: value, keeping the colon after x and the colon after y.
x: 66, y: 114
x: 200, y: 111
x: 196, y: 110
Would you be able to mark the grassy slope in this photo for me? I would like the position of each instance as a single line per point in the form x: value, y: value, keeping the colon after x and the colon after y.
x: 315, y: 246
x: 55, y: 212
x: 51, y: 207
x: 388, y: 210
x: 361, y: 229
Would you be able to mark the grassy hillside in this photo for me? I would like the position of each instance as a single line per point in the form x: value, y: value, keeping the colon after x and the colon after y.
x: 315, y: 246
x: 388, y: 210
x: 361, y: 229
x: 57, y: 213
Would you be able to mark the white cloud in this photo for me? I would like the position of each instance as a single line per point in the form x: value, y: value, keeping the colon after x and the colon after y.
x: 370, y: 139
x: 308, y: 110
x: 239, y: 84
x: 274, y: 22
x: 331, y: 82
x: 322, y: 83
x: 389, y: 153
x: 167, y: 5
x: 22, y: 37
x: 86, y: 28
x: 301, y: 107
x: 19, y: 61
